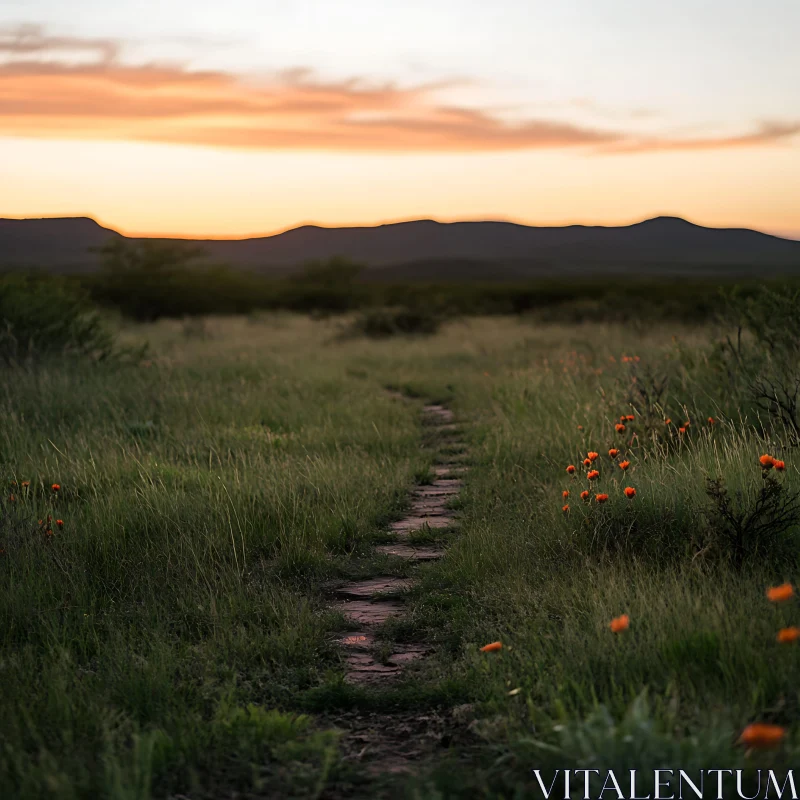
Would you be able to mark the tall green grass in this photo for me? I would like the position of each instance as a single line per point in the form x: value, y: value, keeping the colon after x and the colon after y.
x: 171, y: 635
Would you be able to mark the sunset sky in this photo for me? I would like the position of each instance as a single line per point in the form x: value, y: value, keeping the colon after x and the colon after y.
x: 190, y: 117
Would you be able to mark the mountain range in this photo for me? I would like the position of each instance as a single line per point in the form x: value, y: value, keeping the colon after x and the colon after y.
x: 426, y: 249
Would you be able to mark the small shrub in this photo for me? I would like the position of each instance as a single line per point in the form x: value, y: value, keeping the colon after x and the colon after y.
x: 745, y: 526
x: 770, y: 316
x: 761, y: 355
x: 780, y: 398
x: 46, y: 316
x: 380, y: 323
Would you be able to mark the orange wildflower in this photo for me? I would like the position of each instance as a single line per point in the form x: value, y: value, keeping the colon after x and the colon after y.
x: 779, y: 594
x: 492, y: 648
x: 712, y: 421
x: 565, y: 493
x: 787, y: 635
x: 686, y: 424
x: 623, y: 418
x: 681, y: 430
x: 565, y: 509
x: 613, y: 452
x: 593, y: 474
x: 12, y: 498
x: 25, y: 484
x: 585, y: 496
x: 623, y: 465
x: 780, y: 466
x: 580, y: 427
x: 761, y: 736
x: 619, y: 427
x: 571, y: 469
x: 630, y: 492
x: 767, y: 462
x: 668, y: 421
x: 56, y: 487
x: 587, y: 462
x: 619, y: 624
x: 60, y: 523
x: 601, y: 498
x: 592, y: 456
x: 630, y: 417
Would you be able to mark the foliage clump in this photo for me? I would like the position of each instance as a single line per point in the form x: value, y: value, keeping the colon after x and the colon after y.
x: 752, y: 525
x: 382, y: 323
x: 48, y: 316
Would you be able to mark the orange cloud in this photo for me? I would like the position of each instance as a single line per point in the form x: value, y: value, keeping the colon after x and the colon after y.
x: 293, y: 110
x: 46, y: 97
x: 766, y: 133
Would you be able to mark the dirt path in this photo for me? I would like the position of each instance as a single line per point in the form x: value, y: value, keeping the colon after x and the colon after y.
x: 393, y: 743
x: 369, y: 603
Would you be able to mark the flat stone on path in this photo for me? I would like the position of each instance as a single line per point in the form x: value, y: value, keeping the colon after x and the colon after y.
x: 409, y: 524
x: 443, y: 427
x: 357, y: 641
x: 430, y: 508
x: 410, y: 552
x: 438, y: 413
x: 432, y: 490
x: 373, y: 586
x: 454, y: 449
x: 365, y: 612
x: 448, y: 469
x: 454, y: 459
x: 448, y: 483
x: 364, y: 668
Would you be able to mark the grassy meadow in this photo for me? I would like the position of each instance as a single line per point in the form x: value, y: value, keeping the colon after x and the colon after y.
x: 174, y: 636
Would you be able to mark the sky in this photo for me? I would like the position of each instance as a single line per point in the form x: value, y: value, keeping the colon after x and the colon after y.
x: 243, y: 117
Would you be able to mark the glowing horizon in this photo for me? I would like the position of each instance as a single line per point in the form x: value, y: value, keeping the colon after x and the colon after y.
x: 210, y: 124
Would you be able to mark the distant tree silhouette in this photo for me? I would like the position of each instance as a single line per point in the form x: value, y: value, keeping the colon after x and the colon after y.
x: 146, y: 279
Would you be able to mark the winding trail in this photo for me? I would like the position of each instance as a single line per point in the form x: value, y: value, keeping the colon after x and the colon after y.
x: 369, y: 603
x: 388, y: 743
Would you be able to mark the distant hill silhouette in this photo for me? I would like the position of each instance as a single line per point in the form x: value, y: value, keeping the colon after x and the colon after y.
x: 428, y: 250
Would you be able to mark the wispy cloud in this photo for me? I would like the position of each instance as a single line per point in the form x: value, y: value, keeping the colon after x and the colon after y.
x: 32, y: 40
x: 44, y: 92
x: 764, y: 134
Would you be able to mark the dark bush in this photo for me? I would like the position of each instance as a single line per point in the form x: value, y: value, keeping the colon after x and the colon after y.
x: 759, y: 525
x: 379, y: 323
x: 47, y: 316
x: 771, y: 315
x: 152, y: 279
x: 760, y: 351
